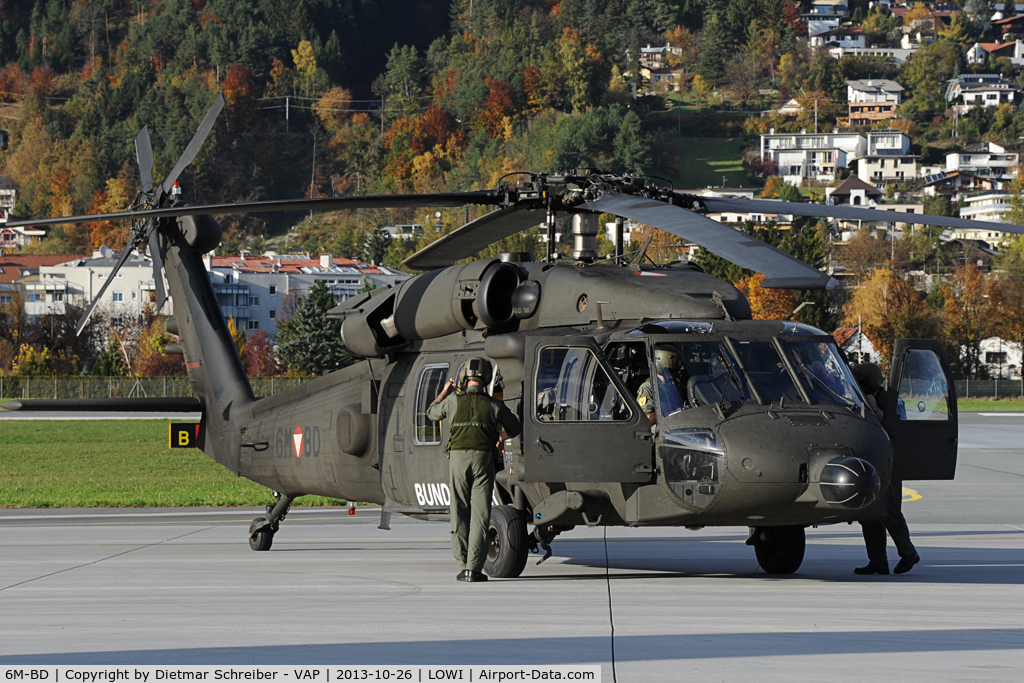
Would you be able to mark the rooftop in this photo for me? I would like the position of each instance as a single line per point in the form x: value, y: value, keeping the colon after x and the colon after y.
x: 295, y: 264
x: 855, y: 183
x: 875, y: 85
x: 14, y: 266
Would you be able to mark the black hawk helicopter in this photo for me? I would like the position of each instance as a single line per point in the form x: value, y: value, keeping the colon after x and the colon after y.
x: 760, y: 423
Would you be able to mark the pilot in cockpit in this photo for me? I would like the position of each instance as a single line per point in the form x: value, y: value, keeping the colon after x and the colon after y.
x: 671, y: 378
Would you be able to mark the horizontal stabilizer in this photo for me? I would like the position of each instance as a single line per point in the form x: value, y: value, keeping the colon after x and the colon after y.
x: 112, y: 405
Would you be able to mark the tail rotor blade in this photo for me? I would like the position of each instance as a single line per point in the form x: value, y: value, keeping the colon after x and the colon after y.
x: 189, y: 155
x: 144, y: 155
x: 158, y: 266
x: 99, y: 296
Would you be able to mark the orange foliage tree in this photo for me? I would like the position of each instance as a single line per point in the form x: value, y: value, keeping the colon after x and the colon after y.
x: 766, y: 304
x: 889, y: 308
x: 968, y: 317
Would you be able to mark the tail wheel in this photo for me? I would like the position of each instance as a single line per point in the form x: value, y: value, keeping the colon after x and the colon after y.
x: 779, y: 549
x: 262, y: 539
x: 507, y: 547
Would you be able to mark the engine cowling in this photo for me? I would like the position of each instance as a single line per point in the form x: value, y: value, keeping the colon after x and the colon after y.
x: 477, y: 295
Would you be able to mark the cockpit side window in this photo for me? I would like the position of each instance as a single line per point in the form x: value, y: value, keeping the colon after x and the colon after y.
x: 629, y: 359
x: 431, y: 380
x: 572, y: 386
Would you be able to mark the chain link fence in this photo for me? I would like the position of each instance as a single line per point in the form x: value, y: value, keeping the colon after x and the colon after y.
x: 123, y: 387
x: 990, y: 388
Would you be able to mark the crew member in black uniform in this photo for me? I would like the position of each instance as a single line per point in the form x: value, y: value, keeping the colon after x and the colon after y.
x: 869, y: 377
x: 477, y: 421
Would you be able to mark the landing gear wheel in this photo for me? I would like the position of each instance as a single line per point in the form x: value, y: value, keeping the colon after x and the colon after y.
x: 779, y: 549
x: 263, y: 539
x: 507, y: 547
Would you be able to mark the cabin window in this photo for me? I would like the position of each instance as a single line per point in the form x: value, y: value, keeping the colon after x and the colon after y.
x: 923, y: 393
x: 572, y: 386
x: 432, y: 379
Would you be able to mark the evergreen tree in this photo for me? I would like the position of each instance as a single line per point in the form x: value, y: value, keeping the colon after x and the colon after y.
x: 714, y: 50
x: 308, y: 342
x: 632, y: 147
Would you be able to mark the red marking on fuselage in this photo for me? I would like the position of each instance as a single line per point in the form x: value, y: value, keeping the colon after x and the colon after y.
x: 297, y: 442
x: 191, y: 366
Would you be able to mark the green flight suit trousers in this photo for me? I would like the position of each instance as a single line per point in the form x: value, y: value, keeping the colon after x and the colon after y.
x: 472, y: 485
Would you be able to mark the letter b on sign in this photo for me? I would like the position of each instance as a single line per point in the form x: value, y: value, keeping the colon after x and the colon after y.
x: 183, y: 435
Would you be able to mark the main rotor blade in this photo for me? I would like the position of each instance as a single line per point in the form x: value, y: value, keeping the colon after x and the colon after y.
x: 855, y: 213
x: 781, y: 270
x: 474, y: 236
x: 194, y: 145
x: 110, y: 278
x: 381, y: 201
x: 158, y: 266
x: 144, y: 155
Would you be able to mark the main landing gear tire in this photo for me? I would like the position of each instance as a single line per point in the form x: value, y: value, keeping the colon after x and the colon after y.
x: 263, y: 539
x: 507, y: 547
x: 779, y: 549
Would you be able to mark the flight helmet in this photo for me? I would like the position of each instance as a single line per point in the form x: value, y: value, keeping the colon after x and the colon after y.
x: 475, y: 368
x: 667, y: 359
x: 868, y: 376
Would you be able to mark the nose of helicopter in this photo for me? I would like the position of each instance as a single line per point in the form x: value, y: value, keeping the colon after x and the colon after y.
x: 850, y: 483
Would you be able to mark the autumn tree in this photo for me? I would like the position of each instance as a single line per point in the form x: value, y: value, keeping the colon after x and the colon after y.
x: 889, y: 308
x: 766, y: 304
x: 967, y: 320
x: 259, y: 358
x: 151, y: 360
x: 664, y: 247
x: 309, y: 77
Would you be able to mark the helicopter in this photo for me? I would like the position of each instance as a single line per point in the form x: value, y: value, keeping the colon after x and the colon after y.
x: 762, y: 425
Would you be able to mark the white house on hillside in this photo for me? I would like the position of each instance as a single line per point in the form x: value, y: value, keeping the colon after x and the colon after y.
x: 811, y: 156
x: 888, y: 159
x: 985, y: 90
x: 981, y: 52
x: 984, y: 159
x: 872, y: 99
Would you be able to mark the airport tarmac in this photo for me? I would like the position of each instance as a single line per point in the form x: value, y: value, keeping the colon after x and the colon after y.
x: 182, y: 587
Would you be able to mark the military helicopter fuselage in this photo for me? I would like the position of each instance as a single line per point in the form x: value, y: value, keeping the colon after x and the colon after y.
x: 750, y: 440
x: 647, y: 394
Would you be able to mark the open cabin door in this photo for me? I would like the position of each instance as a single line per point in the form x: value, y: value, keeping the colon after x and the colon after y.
x: 923, y: 421
x: 580, y: 423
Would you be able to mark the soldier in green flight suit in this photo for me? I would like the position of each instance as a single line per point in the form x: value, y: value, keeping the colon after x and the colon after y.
x: 477, y: 422
x: 670, y: 374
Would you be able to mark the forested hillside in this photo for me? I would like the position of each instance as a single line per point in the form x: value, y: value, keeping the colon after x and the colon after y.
x: 324, y: 97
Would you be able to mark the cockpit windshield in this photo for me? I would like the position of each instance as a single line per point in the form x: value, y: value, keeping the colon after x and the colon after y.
x: 693, y: 373
x: 824, y: 375
x: 766, y: 370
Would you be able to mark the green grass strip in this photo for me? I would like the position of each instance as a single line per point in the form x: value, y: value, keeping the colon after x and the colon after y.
x: 989, y: 405
x: 115, y: 463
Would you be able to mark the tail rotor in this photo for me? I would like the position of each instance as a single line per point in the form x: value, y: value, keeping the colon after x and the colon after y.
x: 147, y: 230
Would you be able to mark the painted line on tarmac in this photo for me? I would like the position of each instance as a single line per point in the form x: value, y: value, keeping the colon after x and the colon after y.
x: 182, y: 416
x: 914, y: 495
x: 1000, y: 414
x: 110, y: 515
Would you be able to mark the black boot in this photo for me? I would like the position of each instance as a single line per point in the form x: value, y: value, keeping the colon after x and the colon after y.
x: 872, y: 568
x: 906, y: 564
